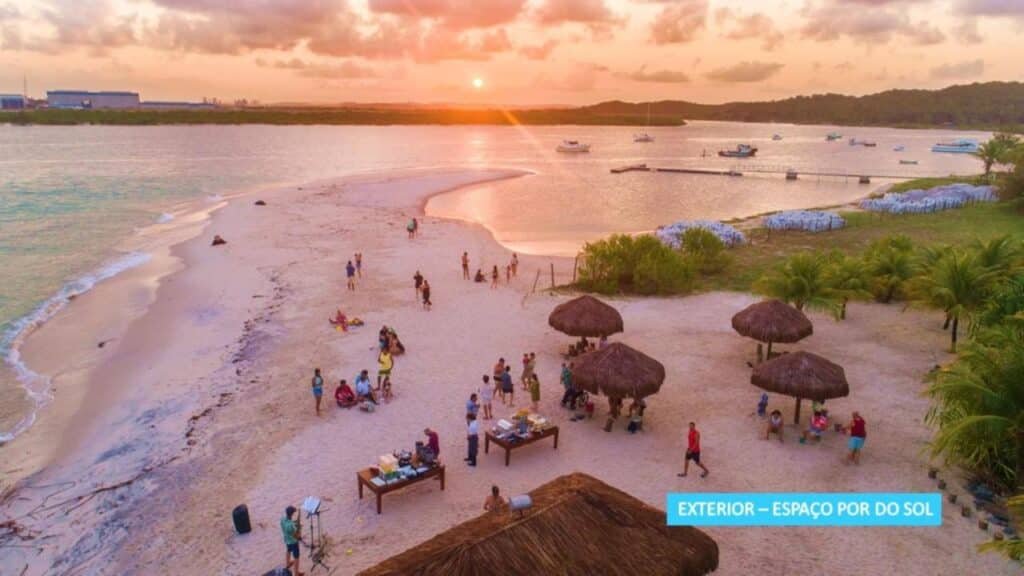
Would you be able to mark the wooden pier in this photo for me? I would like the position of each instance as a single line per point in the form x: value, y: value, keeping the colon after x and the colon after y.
x: 790, y: 173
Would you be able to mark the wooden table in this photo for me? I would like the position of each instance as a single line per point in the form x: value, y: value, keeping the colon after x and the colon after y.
x: 509, y: 445
x: 363, y: 478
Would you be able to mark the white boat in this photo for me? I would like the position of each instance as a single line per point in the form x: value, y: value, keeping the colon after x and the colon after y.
x: 643, y: 137
x: 776, y: 137
x: 573, y: 147
x: 741, y: 151
x: 899, y: 148
x: 960, y: 146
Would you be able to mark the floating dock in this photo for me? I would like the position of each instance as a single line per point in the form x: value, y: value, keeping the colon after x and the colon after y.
x: 790, y: 173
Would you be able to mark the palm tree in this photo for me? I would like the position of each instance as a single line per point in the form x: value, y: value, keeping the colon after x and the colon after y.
x: 889, y: 264
x: 958, y: 284
x: 846, y: 278
x: 996, y: 150
x: 927, y: 258
x: 978, y: 407
x: 800, y: 281
x: 1002, y: 255
x: 1011, y: 548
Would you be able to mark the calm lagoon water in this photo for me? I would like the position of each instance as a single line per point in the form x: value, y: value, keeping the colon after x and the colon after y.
x: 70, y: 195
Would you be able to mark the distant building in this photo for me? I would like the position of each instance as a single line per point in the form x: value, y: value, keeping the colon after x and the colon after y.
x: 12, y: 102
x: 161, y: 105
x: 91, y: 100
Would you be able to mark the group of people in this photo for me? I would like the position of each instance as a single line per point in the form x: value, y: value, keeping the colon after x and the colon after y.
x: 583, y: 346
x: 422, y: 290
x: 818, y: 425
x: 354, y: 270
x: 511, y: 270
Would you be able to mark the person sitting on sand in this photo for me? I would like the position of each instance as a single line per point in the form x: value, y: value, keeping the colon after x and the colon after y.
x: 339, y: 321
x: 479, y: 277
x: 344, y: 395
x: 819, y: 423
x: 494, y: 502
x: 636, y: 415
x: 364, y: 390
x: 602, y: 343
x: 774, y: 425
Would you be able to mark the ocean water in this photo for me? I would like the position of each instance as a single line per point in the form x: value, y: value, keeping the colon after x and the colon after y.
x: 69, y: 196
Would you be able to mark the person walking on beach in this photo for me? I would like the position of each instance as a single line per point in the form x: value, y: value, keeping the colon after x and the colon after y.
x: 508, y: 274
x: 515, y: 264
x: 359, y: 264
x: 534, y: 391
x: 318, y: 389
x: 507, y: 387
x: 465, y: 265
x: 858, y: 434
x: 418, y: 282
x: 425, y: 289
x: 385, y: 362
x: 290, y: 530
x: 693, y: 452
x: 486, y: 397
x: 472, y: 438
x: 494, y: 277
x: 350, y: 272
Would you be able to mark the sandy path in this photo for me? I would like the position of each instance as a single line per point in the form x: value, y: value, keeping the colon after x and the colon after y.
x: 262, y: 445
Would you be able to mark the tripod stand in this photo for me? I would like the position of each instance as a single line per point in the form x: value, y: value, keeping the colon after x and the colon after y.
x: 317, y: 550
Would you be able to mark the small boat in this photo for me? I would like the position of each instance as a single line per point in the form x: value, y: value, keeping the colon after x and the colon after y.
x: 643, y: 137
x: 911, y: 162
x: 573, y: 147
x: 867, y: 143
x: 960, y: 146
x: 899, y: 148
x: 741, y: 151
x: 833, y: 136
x: 776, y: 137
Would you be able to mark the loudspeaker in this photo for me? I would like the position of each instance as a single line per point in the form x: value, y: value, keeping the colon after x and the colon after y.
x: 240, y: 515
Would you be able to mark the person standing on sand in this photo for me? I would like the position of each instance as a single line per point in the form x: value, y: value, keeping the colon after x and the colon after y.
x: 425, y: 289
x: 499, y: 369
x: 534, y: 391
x: 858, y: 434
x: 524, y: 376
x: 508, y: 274
x: 472, y: 406
x: 350, y: 272
x: 411, y: 228
x: 318, y: 389
x: 693, y: 452
x: 486, y: 397
x: 290, y: 532
x: 359, y: 264
x: 418, y: 281
x: 465, y: 265
x: 494, y: 277
x: 385, y: 363
x: 507, y: 387
x: 515, y: 264
x: 472, y: 439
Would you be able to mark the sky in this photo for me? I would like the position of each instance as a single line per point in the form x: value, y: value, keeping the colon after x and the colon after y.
x: 518, y: 52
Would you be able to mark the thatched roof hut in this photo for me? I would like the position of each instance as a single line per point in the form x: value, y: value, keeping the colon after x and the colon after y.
x: 772, y: 321
x: 618, y: 371
x: 578, y: 526
x: 802, y: 375
x: 585, y: 316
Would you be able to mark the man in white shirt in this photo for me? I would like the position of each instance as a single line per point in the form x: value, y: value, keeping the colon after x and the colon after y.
x: 473, y: 437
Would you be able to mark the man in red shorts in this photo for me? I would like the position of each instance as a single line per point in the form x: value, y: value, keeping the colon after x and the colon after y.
x: 693, y: 452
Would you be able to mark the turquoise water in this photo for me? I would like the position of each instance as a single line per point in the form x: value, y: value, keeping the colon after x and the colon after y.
x: 70, y: 195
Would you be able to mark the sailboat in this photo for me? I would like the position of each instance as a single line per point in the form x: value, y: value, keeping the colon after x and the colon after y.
x: 644, y: 136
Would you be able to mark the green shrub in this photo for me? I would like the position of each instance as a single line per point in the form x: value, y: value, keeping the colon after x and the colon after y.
x: 706, y: 251
x: 640, y: 264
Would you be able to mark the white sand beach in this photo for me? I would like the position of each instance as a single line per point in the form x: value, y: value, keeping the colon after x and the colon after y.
x: 200, y: 400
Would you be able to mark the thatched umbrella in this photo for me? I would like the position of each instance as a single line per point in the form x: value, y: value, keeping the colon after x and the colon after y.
x: 618, y: 371
x: 578, y: 525
x: 801, y: 375
x: 585, y: 316
x: 772, y: 321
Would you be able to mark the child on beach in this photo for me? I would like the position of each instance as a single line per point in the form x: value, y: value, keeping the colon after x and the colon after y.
x: 818, y: 425
x: 486, y: 397
x: 385, y: 393
x: 318, y: 389
x: 693, y: 452
x: 350, y: 272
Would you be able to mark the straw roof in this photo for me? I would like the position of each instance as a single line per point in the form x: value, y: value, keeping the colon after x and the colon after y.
x: 802, y: 375
x: 578, y: 526
x: 585, y: 316
x: 618, y: 371
x: 772, y: 321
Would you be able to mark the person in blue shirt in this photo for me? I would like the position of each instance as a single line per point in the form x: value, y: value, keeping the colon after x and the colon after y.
x: 472, y: 406
x: 350, y: 272
x: 364, y: 390
x: 318, y: 389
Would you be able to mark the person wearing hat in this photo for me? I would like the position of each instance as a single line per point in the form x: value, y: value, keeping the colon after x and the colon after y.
x: 290, y: 531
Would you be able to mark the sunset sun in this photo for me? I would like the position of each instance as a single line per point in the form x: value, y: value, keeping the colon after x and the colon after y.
x: 478, y: 83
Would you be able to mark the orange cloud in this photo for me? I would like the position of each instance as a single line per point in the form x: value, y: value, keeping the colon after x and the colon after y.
x: 679, y: 22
